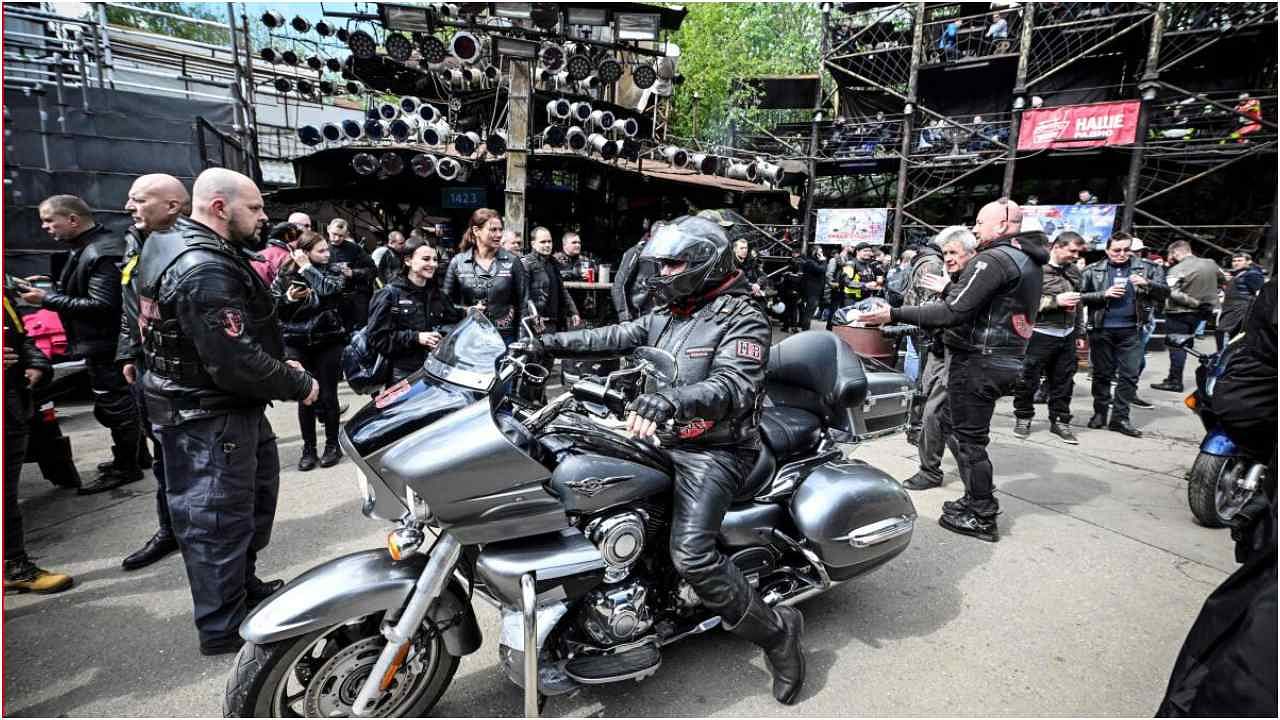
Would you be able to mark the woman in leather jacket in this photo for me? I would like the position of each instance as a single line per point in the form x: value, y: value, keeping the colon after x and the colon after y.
x: 547, y: 292
x: 410, y: 316
x: 483, y: 274
x: 308, y: 296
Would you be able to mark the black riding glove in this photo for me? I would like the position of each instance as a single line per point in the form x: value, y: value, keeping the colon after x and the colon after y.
x: 530, y: 345
x: 652, y: 406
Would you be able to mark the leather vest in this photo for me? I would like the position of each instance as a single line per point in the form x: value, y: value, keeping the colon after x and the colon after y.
x: 1005, y: 326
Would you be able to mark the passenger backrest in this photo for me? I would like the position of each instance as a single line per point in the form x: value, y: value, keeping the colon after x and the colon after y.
x: 816, y: 371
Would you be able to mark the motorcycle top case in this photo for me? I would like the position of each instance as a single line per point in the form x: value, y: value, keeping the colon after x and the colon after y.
x: 855, y: 516
x: 887, y: 406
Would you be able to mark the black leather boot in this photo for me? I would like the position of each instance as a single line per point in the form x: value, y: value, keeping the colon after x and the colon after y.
x: 332, y: 454
x: 160, y: 545
x: 778, y: 633
x: 308, y: 459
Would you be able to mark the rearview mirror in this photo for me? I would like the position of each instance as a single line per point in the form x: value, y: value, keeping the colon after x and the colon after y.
x: 658, y: 364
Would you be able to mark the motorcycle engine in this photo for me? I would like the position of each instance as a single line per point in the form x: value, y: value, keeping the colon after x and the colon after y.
x: 619, y: 610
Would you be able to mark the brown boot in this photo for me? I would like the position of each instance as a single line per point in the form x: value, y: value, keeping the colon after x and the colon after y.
x: 22, y: 576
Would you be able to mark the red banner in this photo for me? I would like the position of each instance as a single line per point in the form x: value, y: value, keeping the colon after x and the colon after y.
x: 1079, y: 126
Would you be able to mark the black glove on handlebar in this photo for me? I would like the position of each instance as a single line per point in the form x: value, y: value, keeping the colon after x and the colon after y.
x: 652, y: 406
x: 530, y: 345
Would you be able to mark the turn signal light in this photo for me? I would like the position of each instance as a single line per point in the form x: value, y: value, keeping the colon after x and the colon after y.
x: 1190, y: 402
x: 403, y: 542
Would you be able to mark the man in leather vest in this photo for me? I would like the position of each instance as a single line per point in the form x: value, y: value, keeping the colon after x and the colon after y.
x: 988, y: 319
x: 155, y: 203
x: 721, y: 343
x: 213, y: 354
x: 88, y: 303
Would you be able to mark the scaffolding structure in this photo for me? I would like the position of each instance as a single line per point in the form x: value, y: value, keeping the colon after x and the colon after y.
x: 931, y: 97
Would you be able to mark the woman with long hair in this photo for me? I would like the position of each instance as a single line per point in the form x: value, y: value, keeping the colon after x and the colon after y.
x: 308, y: 295
x: 483, y: 275
x: 410, y: 316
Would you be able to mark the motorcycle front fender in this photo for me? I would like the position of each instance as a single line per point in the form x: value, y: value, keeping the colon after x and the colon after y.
x: 356, y: 585
x: 1217, y: 443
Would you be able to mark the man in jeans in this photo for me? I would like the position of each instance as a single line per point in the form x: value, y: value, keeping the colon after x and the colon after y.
x: 1052, y: 350
x: 1119, y: 292
x: 988, y: 320
x: 1193, y: 295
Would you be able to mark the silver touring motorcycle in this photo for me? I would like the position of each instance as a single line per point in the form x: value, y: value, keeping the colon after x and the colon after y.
x: 548, y: 511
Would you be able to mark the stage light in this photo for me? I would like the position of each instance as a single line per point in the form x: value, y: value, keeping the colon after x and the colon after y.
x: 342, y: 35
x: 466, y: 143
x: 551, y: 56
x: 465, y: 47
x: 398, y: 47
x: 387, y: 111
x: 324, y: 29
x: 310, y: 136
x: 553, y: 136
x: 742, y: 171
x: 333, y: 65
x: 493, y: 74
x: 283, y: 85
x: 602, y: 146
x: 557, y: 109
x: 354, y: 88
x: 637, y: 26
x: 675, y: 156
x: 769, y: 172
x: 431, y: 48
x: 362, y: 45
x: 400, y: 130
x: 1036, y: 101
x: 364, y: 164
x: 270, y: 55
x: 428, y: 113
x: 643, y: 76
x: 290, y: 58
x: 579, y: 67
x: 327, y: 88
x: 580, y: 111
x: 273, y: 19
x: 576, y: 139
x: 578, y: 15
x: 496, y: 143
x: 513, y: 10
x: 300, y: 24
x: 515, y: 47
x: 629, y: 127
x: 392, y: 163
x: 705, y: 164
x: 305, y: 87
x: 602, y: 119
x: 609, y: 71
x: 409, y: 105
x: 352, y: 130
x: 545, y: 16
x: 375, y: 129
x: 449, y: 169
x: 436, y: 134
x: 315, y: 62
x: 331, y: 132
x: 423, y: 165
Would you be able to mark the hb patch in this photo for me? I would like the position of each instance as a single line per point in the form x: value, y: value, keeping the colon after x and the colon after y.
x: 750, y: 350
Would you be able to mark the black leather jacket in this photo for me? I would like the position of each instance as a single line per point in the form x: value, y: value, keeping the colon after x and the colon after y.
x: 129, y: 344
x: 316, y: 321
x: 546, y: 288
x: 398, y: 313
x: 502, y: 287
x: 721, y: 348
x: 1093, y: 285
x: 573, y: 269
x: 211, y: 342
x: 630, y: 297
x: 88, y: 296
x: 993, y: 309
x: 18, y: 402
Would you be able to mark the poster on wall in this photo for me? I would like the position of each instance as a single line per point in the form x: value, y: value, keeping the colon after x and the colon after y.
x: 855, y: 225
x: 1079, y: 126
x: 1093, y: 222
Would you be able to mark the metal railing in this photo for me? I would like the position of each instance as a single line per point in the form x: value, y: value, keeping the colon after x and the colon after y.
x: 974, y: 137
x: 978, y: 35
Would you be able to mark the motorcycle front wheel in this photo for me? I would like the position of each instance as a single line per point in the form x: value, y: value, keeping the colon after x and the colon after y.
x: 1214, y: 489
x: 320, y: 675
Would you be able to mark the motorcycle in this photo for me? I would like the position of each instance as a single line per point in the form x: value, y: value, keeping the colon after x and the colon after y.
x: 1224, y: 477
x: 550, y: 512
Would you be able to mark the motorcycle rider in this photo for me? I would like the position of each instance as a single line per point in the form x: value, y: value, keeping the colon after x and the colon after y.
x: 213, y: 352
x: 721, y: 342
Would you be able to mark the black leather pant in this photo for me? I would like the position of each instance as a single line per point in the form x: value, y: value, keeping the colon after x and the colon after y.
x: 974, y: 384
x: 15, y: 451
x: 115, y: 409
x: 157, y: 453
x: 707, y: 480
x: 223, y: 482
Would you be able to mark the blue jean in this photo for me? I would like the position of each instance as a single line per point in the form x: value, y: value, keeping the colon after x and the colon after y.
x: 911, y: 365
x: 1144, y: 336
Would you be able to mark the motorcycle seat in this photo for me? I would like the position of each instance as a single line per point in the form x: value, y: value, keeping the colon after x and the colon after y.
x: 789, y: 431
x: 760, y: 476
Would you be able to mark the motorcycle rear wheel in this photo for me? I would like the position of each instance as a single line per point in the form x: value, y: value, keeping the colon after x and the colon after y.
x: 321, y: 673
x: 1213, y: 489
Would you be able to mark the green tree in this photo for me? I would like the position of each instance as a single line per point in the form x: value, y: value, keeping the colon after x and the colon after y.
x: 720, y: 42
x: 128, y: 16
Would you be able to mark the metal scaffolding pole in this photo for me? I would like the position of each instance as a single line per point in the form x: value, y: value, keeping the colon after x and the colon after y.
x: 1147, y: 89
x: 917, y: 44
x: 1019, y: 92
x: 810, y: 226
x: 520, y: 100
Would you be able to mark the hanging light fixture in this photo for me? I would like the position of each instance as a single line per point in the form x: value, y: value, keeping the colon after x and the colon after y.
x: 310, y: 135
x: 331, y: 132
x: 305, y: 87
x: 579, y: 67
x: 289, y: 58
x: 770, y: 172
x: 553, y: 136
x: 354, y: 88
x: 423, y: 165
x: 273, y: 19
x: 324, y: 29
x: 437, y: 133
x: 643, y: 76
x: 362, y: 45
x: 705, y: 163
x: 315, y: 62
x: 449, y: 169
x: 551, y: 56
x: 602, y: 119
x: 333, y: 65
x: 602, y: 146
x: 629, y: 127
x: 576, y: 139
x: 465, y: 47
x: 364, y: 164
x: 400, y: 130
x: 580, y: 111
x: 282, y: 85
x: 392, y: 163
x: 431, y: 48
x: 300, y: 24
x: 409, y: 105
x: 375, y: 129
x: 609, y: 71
x: 557, y: 109
x: 352, y: 130
x: 270, y: 55
x: 327, y: 88
x: 676, y: 157
x: 342, y: 35
x: 428, y: 113
x: 398, y: 47
x: 496, y: 142
x: 387, y: 111
x: 742, y: 171
x: 466, y: 143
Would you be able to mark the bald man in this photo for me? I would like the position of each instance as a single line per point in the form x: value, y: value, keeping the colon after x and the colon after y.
x: 213, y: 354
x: 988, y: 320
x: 155, y: 202
x: 301, y: 219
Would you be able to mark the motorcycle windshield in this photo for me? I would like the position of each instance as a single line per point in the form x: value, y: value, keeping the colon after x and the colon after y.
x: 468, y: 355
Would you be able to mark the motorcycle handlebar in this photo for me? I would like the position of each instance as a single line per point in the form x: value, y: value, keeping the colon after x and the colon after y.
x: 594, y: 392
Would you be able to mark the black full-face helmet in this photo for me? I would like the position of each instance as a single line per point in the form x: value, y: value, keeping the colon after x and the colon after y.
x: 696, y: 241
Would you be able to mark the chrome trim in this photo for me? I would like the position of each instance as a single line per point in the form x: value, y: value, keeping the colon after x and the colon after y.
x: 528, y: 601
x: 787, y: 477
x: 878, y: 532
x: 617, y: 649
x: 824, y: 580
x: 705, y: 625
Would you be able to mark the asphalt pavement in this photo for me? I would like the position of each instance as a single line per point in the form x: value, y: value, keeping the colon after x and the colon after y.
x: 1080, y: 608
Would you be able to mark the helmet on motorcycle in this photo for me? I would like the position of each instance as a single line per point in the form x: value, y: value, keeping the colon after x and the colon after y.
x: 697, y: 242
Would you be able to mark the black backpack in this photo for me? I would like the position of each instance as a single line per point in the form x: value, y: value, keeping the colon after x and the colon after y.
x: 366, y: 369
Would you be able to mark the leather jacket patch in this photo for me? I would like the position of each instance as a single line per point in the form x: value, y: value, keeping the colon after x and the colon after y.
x: 700, y: 352
x: 1021, y: 326
x: 232, y: 322
x: 750, y: 350
x: 695, y: 428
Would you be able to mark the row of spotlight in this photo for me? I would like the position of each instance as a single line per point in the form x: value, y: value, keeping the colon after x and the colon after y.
x: 759, y: 170
x: 424, y: 165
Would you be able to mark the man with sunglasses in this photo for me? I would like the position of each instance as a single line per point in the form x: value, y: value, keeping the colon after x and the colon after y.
x: 1121, y: 293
